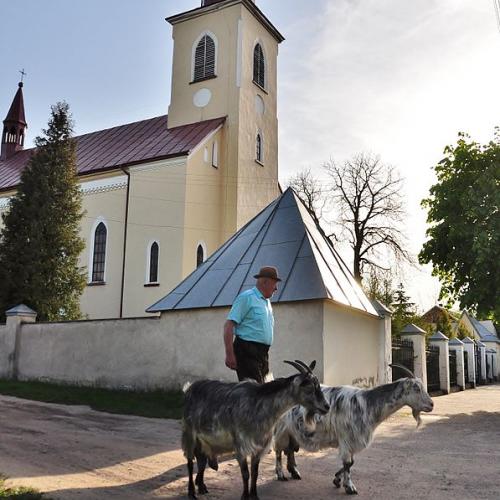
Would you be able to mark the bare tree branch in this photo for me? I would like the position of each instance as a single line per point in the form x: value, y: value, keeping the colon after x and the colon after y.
x: 367, y: 194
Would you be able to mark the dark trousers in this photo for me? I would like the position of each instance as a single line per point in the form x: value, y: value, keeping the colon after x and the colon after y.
x: 252, y: 359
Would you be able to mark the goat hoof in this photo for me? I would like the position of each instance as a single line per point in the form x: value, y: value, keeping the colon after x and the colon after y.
x: 351, y: 490
x: 192, y: 496
x: 202, y: 489
x: 295, y: 475
x: 213, y: 463
x: 336, y: 482
x: 281, y: 477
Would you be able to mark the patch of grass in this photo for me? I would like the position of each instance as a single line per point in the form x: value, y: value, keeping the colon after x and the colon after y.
x: 20, y: 493
x: 154, y: 404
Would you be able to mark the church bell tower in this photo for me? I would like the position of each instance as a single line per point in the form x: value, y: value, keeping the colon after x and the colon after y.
x: 225, y: 64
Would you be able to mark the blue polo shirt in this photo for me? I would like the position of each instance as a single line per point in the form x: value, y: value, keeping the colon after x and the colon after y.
x: 253, y: 316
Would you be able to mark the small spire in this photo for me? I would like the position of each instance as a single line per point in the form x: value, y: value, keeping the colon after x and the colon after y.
x: 14, y: 125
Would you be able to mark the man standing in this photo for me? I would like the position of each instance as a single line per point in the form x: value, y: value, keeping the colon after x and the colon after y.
x: 251, y: 323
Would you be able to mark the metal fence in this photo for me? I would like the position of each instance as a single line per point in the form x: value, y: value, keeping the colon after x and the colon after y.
x: 477, y: 354
x: 432, y: 355
x: 488, y: 361
x: 466, y: 367
x: 452, y: 356
x: 402, y: 354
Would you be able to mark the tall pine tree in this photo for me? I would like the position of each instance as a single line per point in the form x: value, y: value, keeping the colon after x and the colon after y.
x: 40, y: 242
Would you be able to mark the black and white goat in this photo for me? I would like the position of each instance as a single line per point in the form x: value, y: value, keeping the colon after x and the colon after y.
x: 221, y: 417
x: 349, y: 425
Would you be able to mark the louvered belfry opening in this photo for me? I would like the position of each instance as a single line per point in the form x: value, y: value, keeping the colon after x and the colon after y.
x: 204, y: 59
x: 259, y: 69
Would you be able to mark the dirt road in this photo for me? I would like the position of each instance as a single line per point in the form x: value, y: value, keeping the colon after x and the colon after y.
x: 76, y: 453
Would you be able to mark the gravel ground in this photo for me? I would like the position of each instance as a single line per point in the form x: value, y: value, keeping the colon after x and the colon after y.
x: 76, y: 453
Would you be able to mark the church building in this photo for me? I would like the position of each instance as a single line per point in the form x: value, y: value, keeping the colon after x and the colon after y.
x: 162, y: 194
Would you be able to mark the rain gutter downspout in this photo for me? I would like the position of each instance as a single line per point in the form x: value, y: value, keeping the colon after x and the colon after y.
x: 127, y: 173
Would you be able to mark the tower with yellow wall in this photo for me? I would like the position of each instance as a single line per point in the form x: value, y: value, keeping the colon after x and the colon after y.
x: 225, y: 64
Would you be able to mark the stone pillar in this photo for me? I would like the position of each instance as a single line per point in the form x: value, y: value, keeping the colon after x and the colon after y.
x: 482, y: 353
x: 15, y: 318
x: 492, y: 344
x: 385, y: 342
x: 417, y: 336
x: 441, y: 341
x: 469, y: 348
x: 458, y: 346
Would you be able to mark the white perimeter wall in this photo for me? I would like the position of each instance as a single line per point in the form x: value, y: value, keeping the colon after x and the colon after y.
x: 352, y: 347
x: 147, y: 353
x: 181, y: 346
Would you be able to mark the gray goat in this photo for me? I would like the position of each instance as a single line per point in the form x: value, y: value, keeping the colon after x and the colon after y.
x: 349, y: 425
x: 221, y: 417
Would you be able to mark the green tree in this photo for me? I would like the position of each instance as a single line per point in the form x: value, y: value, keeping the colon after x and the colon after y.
x: 403, y: 310
x: 40, y: 242
x: 443, y: 324
x: 464, y: 225
x: 378, y: 286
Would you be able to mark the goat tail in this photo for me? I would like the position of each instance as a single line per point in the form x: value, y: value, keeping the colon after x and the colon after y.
x: 186, y: 387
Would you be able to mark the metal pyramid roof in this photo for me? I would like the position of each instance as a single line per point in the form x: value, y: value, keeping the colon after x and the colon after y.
x: 283, y: 235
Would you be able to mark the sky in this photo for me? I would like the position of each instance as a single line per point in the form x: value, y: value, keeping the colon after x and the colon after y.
x: 393, y: 78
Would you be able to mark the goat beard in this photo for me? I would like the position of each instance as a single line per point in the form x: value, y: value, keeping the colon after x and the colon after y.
x: 416, y: 416
x: 310, y: 421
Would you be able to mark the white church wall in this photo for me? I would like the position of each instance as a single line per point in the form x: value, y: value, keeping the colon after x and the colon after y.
x: 106, y: 203
x: 205, y: 201
x: 352, y: 347
x: 156, y: 213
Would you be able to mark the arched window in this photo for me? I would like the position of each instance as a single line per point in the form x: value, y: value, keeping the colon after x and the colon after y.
x: 259, y: 66
x: 204, y: 59
x: 215, y: 154
x: 259, y: 156
x: 99, y: 256
x: 154, y: 254
x: 200, y: 255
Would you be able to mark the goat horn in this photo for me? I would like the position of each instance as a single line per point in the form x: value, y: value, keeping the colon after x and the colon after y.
x: 297, y: 366
x: 401, y: 367
x: 301, y: 363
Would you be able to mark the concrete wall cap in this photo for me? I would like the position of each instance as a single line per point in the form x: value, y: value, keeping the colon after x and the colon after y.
x: 467, y: 340
x: 439, y: 336
x: 456, y: 341
x: 381, y: 308
x: 412, y: 329
x: 20, y: 310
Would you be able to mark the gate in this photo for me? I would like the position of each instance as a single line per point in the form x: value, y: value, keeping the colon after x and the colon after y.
x: 488, y: 379
x: 432, y: 359
x: 402, y: 354
x: 452, y: 357
x: 466, y: 367
x: 477, y: 354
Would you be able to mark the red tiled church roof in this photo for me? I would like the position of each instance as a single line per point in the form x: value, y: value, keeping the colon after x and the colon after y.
x: 121, y: 146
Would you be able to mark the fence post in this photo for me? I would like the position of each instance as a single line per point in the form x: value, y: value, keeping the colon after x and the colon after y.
x: 15, y: 318
x: 458, y: 346
x: 441, y: 340
x: 482, y: 353
x: 492, y: 343
x: 385, y: 346
x: 471, y: 359
x: 417, y: 336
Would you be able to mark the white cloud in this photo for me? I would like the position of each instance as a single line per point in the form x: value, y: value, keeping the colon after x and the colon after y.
x: 391, y: 77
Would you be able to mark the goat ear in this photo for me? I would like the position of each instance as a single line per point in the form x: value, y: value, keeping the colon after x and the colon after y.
x: 312, y: 365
